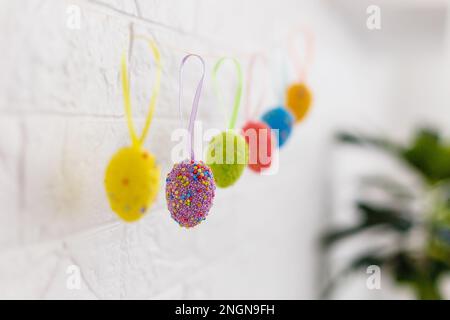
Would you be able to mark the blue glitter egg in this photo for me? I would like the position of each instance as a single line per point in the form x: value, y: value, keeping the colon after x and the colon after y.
x: 281, y: 119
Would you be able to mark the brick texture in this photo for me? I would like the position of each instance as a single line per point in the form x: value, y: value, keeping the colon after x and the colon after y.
x: 62, y: 118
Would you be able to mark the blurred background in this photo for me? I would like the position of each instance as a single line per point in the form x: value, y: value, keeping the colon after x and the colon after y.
x: 360, y: 182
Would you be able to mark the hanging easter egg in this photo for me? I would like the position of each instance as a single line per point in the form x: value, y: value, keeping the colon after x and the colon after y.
x: 298, y: 100
x: 227, y: 155
x: 190, y: 191
x: 279, y: 119
x: 259, y: 140
x: 190, y: 186
x: 132, y: 182
x: 298, y: 96
x: 132, y: 175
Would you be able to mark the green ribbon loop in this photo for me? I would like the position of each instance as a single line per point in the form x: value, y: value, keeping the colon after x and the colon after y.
x: 238, y: 95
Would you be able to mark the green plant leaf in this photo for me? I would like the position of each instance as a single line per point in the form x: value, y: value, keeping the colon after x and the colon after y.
x: 404, y: 267
x: 429, y: 156
x: 332, y: 236
x: 422, y: 273
x: 376, y: 215
x: 362, y: 140
x: 372, y: 216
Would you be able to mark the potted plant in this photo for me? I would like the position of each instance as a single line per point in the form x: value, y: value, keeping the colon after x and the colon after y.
x: 422, y: 266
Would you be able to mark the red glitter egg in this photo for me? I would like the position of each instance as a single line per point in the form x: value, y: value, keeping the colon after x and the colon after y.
x: 258, y: 136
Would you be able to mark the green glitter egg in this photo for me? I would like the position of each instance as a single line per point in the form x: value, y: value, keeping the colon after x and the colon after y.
x: 227, y: 156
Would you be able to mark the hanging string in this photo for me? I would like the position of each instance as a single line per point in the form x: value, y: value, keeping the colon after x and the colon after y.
x: 249, y: 113
x: 301, y: 65
x: 138, y: 141
x: 238, y: 94
x: 194, y: 102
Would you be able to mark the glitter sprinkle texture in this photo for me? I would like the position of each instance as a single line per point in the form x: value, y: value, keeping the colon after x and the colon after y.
x: 190, y: 191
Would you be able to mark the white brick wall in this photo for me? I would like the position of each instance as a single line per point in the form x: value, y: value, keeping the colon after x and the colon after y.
x: 61, y: 118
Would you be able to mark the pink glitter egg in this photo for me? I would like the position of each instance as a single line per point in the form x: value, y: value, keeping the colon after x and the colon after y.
x: 190, y: 191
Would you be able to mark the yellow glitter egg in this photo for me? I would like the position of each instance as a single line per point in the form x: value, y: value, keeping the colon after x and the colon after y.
x: 132, y: 182
x: 298, y: 100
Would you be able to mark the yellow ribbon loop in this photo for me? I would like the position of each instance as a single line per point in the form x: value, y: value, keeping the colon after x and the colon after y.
x: 155, y: 92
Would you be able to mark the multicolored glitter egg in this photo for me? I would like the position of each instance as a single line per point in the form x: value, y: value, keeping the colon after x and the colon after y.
x: 227, y: 155
x: 298, y: 100
x: 258, y: 136
x: 132, y: 182
x: 280, y: 119
x: 190, y: 191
